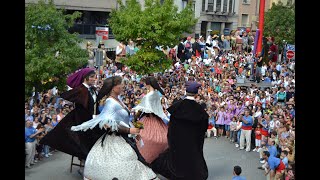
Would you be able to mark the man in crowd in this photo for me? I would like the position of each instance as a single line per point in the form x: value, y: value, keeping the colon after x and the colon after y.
x: 30, y: 142
x: 276, y: 166
x: 247, y: 122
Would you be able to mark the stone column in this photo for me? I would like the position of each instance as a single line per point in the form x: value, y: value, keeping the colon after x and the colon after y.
x: 223, y: 25
x: 198, y: 28
x: 208, y: 27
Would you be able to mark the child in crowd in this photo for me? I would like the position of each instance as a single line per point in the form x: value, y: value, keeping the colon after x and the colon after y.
x: 284, y: 158
x: 220, y: 118
x: 258, y: 138
x: 238, y: 130
x: 233, y: 129
x: 210, y: 129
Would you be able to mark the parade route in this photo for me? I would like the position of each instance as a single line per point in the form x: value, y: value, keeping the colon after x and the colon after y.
x: 220, y: 154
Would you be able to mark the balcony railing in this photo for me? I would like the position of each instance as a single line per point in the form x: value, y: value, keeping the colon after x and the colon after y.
x: 88, y: 29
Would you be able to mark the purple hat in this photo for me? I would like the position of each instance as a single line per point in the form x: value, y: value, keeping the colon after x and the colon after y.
x: 76, y: 79
x: 192, y: 87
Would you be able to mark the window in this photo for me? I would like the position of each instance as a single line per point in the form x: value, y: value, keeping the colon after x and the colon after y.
x: 210, y: 5
x: 230, y: 6
x: 244, y: 20
x: 218, y: 6
x: 184, y: 4
x: 225, y: 6
x: 245, y: 1
x: 203, y: 5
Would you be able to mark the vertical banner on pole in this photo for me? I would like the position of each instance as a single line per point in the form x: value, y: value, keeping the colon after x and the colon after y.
x: 261, y: 24
x: 256, y: 42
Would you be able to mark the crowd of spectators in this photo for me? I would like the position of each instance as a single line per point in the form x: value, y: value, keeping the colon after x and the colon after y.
x: 253, y: 118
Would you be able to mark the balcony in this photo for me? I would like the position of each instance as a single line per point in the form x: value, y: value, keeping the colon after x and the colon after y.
x: 88, y: 30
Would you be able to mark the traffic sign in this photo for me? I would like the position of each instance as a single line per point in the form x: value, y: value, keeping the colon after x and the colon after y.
x: 290, y: 54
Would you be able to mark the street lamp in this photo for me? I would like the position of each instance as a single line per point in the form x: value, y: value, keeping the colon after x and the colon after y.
x: 284, y: 42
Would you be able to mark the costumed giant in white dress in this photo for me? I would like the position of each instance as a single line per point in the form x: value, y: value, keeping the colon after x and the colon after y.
x: 112, y: 156
x: 154, y: 134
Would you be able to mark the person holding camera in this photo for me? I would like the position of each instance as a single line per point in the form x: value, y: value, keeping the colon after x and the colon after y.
x: 247, y: 122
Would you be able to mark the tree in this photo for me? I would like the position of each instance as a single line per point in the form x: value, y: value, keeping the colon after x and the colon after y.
x: 280, y: 23
x: 51, y: 52
x: 158, y: 24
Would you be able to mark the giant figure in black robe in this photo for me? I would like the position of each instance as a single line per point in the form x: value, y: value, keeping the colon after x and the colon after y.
x: 184, y: 160
x: 75, y: 143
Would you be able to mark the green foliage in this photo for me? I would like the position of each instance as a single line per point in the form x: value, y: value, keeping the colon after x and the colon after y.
x: 158, y: 25
x: 46, y: 32
x: 146, y: 61
x: 279, y: 23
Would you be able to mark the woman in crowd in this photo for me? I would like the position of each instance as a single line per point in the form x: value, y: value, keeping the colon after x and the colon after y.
x: 115, y: 154
x: 220, y: 118
x: 150, y: 113
x: 228, y: 119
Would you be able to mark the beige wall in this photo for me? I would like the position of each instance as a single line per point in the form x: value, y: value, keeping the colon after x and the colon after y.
x: 252, y: 9
x: 88, y: 5
x: 249, y: 9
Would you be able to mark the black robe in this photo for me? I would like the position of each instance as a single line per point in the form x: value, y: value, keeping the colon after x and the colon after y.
x: 196, y: 47
x: 181, y: 55
x: 184, y: 159
x: 76, y: 143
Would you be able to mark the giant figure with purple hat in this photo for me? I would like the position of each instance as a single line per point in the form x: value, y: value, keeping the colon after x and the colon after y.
x: 188, y: 123
x: 83, y: 95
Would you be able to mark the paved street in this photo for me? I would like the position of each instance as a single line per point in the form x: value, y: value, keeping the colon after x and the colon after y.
x: 220, y: 156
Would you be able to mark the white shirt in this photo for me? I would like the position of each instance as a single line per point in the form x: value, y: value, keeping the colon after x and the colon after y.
x: 257, y: 114
x: 94, y: 96
x: 277, y: 123
x: 176, y: 64
x: 190, y: 98
x: 59, y: 117
x: 209, y: 39
x: 118, y: 50
x: 263, y: 70
x: 271, y: 124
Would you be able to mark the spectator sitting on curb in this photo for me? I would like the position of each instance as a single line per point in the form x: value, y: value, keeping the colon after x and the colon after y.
x: 236, y: 172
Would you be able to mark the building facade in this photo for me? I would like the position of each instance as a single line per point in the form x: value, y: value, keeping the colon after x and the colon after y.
x: 217, y: 15
x: 249, y: 13
x: 284, y: 2
x: 95, y: 13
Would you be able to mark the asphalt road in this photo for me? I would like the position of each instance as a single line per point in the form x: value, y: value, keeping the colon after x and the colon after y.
x: 220, y: 156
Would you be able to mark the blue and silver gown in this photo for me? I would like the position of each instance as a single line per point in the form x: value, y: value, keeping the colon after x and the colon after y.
x: 113, y: 155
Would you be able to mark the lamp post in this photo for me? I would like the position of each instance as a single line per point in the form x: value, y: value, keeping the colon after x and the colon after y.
x: 284, y: 51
